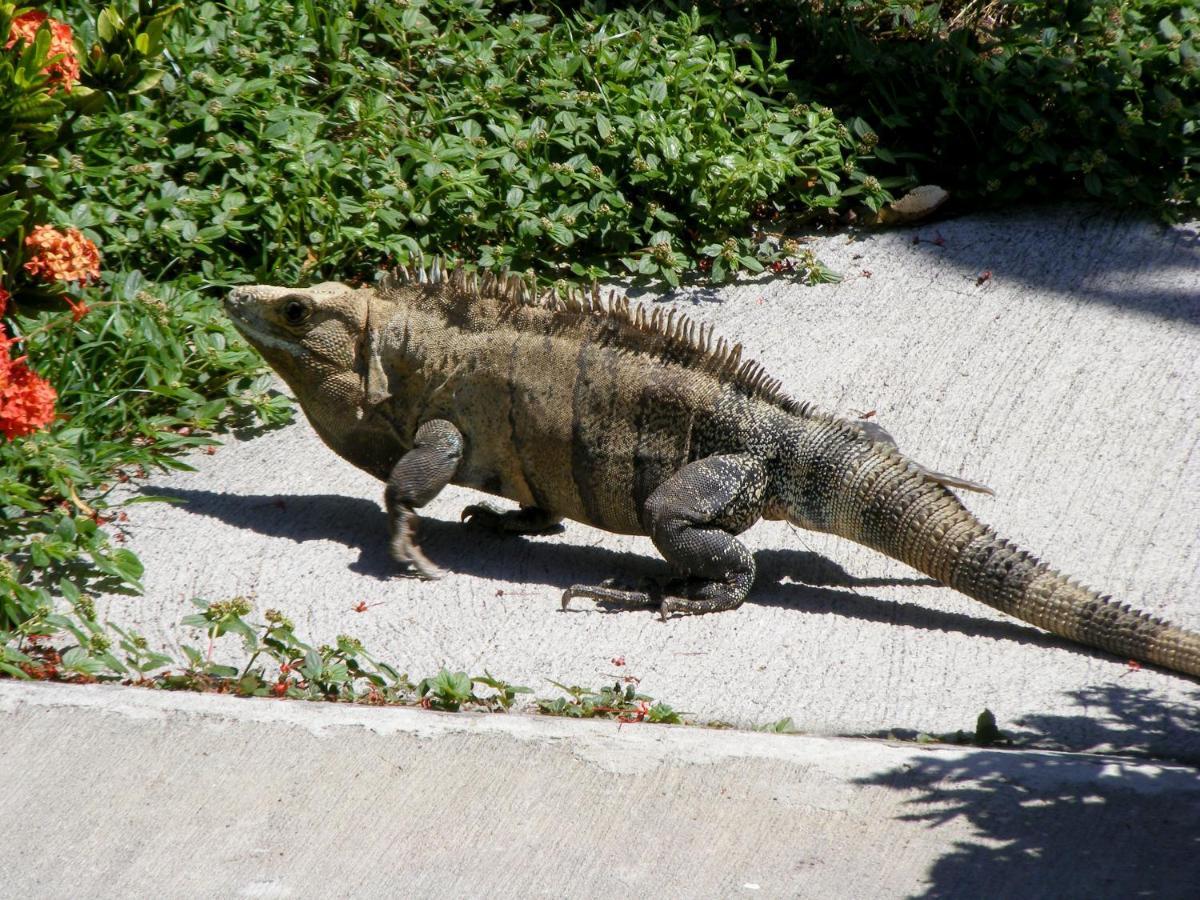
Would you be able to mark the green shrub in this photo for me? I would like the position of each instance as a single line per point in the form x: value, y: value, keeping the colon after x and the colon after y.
x: 327, y: 139
x: 1014, y: 100
x: 137, y: 367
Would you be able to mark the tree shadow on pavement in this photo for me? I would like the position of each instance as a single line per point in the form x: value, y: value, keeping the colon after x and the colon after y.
x: 1057, y: 825
x: 1054, y: 249
x: 1121, y: 719
x: 814, y: 584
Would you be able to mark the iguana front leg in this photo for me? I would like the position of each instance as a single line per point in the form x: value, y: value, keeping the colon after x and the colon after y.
x: 416, y: 479
x: 692, y: 519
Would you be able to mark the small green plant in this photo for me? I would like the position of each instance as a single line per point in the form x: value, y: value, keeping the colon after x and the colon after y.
x: 278, y: 663
x: 985, y: 734
x: 624, y: 704
x: 505, y: 693
x: 782, y: 726
x: 446, y: 691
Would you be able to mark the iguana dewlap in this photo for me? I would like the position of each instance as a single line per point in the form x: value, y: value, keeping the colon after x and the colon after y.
x: 637, y: 422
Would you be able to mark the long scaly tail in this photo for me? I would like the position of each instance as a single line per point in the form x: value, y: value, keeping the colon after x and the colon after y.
x: 841, y: 481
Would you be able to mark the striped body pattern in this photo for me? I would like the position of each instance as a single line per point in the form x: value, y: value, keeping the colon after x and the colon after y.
x: 575, y: 405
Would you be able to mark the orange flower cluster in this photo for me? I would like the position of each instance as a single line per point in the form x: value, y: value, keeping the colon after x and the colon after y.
x: 26, y: 399
x: 64, y: 66
x: 61, y: 255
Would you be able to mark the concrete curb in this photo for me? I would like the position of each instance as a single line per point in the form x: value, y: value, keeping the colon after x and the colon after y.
x: 137, y: 791
x: 626, y: 749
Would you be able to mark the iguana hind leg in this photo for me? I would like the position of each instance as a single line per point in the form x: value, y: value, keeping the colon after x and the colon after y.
x: 416, y: 479
x: 526, y: 520
x: 692, y: 519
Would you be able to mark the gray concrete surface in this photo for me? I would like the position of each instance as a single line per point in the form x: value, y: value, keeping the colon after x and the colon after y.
x: 123, y: 792
x: 1067, y: 381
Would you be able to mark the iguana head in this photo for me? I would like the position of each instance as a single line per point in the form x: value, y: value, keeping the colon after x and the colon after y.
x: 318, y: 339
x: 308, y: 335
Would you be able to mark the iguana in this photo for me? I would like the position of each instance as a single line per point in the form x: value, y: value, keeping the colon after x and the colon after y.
x: 638, y: 422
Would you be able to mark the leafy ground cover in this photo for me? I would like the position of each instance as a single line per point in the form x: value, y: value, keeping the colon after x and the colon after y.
x: 152, y: 154
x: 71, y: 646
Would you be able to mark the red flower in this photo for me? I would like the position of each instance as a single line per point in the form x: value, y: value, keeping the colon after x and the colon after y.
x: 61, y: 255
x: 63, y: 68
x: 26, y: 399
x: 79, y: 309
x: 4, y: 296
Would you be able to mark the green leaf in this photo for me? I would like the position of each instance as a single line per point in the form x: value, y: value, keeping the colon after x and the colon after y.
x: 560, y: 234
x: 148, y: 81
x: 1168, y: 30
x: 77, y: 660
x: 107, y: 24
x: 13, y: 671
x: 313, y: 664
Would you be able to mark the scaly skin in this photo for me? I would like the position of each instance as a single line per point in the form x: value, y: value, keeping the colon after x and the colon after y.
x: 638, y: 423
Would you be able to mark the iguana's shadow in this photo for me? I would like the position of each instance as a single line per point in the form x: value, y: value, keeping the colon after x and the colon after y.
x: 790, y: 578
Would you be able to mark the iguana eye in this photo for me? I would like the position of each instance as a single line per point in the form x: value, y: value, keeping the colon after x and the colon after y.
x: 295, y: 312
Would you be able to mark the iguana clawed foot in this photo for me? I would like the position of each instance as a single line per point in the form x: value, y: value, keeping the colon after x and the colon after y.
x: 526, y: 520
x: 692, y: 518
x: 689, y: 596
x: 647, y: 592
x: 404, y: 549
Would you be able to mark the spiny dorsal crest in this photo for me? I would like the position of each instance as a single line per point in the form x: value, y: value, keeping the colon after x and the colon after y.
x: 675, y: 334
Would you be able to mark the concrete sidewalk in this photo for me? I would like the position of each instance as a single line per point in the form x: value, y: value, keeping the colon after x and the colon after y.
x: 1067, y: 380
x: 124, y: 792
